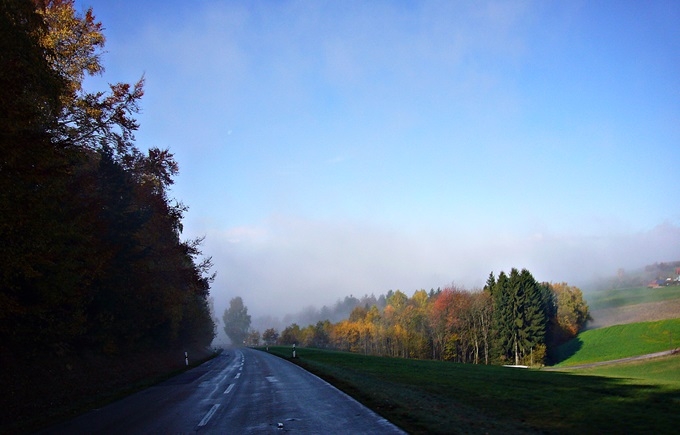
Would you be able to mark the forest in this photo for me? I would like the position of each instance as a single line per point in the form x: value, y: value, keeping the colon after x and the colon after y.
x: 513, y: 320
x: 92, y: 255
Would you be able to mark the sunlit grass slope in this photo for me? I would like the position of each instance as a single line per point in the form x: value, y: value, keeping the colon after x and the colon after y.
x: 444, y: 397
x: 620, y: 341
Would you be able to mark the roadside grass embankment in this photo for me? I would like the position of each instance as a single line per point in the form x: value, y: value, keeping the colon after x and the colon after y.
x: 444, y: 397
x: 42, y: 389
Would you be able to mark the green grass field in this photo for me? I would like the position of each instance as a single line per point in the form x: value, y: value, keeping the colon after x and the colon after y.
x: 631, y: 296
x: 620, y: 341
x: 659, y: 371
x: 443, y: 397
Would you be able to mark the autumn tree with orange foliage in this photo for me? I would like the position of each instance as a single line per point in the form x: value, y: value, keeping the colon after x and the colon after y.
x: 572, y: 311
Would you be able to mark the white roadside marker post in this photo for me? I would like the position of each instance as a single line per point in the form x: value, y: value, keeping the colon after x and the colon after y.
x: 186, y: 358
x: 293, y: 350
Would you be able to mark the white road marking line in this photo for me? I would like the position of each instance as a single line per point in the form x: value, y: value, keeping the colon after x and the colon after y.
x: 228, y: 390
x: 238, y: 375
x: 271, y: 379
x: 209, y: 415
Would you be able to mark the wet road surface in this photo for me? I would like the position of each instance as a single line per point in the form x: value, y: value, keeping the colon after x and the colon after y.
x: 241, y: 391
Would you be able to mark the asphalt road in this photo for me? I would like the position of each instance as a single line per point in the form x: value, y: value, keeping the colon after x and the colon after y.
x: 241, y: 391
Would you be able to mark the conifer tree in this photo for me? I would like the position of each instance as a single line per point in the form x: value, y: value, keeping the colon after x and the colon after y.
x: 521, y: 312
x: 236, y: 321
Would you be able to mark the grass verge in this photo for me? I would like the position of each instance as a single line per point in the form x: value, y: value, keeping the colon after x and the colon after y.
x: 42, y: 390
x: 443, y: 397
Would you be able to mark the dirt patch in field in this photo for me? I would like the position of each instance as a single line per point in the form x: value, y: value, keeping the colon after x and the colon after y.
x: 649, y: 312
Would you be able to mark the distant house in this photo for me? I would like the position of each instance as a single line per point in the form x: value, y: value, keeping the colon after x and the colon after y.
x: 669, y: 280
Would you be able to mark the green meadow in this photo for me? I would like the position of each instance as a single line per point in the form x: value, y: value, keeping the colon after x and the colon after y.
x: 659, y: 371
x: 620, y: 341
x: 420, y: 396
x: 443, y: 397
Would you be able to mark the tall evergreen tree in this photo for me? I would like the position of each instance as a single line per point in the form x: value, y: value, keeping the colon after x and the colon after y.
x: 521, y: 312
x: 490, y: 284
x: 236, y: 321
x: 503, y: 317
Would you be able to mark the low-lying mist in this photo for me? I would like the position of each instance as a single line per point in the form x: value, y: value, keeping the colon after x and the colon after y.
x: 300, y: 271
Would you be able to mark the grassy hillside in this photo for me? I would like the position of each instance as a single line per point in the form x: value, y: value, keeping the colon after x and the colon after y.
x: 633, y: 305
x: 443, y: 397
x: 659, y: 371
x: 620, y: 341
x: 631, y: 296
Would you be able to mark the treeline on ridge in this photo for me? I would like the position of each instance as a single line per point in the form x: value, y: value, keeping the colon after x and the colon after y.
x: 513, y: 320
x: 92, y: 256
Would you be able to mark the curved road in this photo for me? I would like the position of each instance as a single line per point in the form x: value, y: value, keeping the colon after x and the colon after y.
x: 240, y: 391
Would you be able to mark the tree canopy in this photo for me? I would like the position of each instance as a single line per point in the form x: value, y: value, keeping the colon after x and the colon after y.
x: 522, y: 309
x: 92, y: 252
x: 513, y: 320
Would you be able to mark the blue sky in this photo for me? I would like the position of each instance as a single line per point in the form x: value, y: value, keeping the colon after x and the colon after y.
x: 337, y: 148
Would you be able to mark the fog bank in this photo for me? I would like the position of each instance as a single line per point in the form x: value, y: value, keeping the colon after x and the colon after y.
x: 287, y: 266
